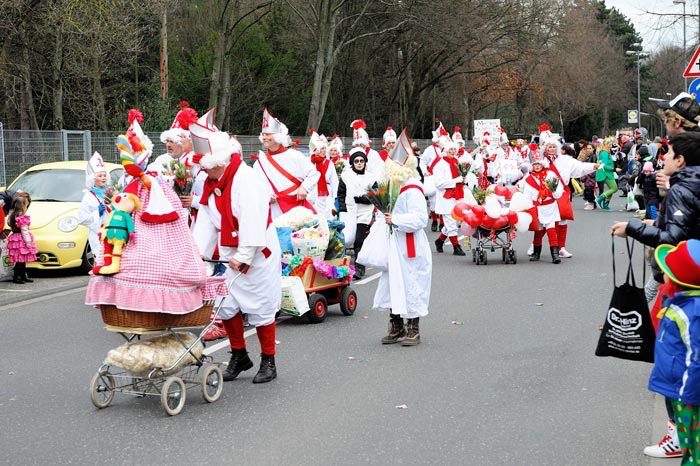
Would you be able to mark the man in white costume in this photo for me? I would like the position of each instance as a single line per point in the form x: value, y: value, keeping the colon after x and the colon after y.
x: 93, y: 209
x: 388, y: 143
x: 235, y: 215
x: 360, y: 138
x: 404, y: 288
x: 428, y: 159
x: 178, y: 145
x: 450, y: 190
x: 506, y: 166
x: 290, y: 174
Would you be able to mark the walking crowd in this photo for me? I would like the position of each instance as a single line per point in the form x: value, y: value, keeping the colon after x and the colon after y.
x: 230, y: 208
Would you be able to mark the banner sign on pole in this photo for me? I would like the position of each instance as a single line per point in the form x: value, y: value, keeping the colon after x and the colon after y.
x: 632, y: 117
x: 490, y: 128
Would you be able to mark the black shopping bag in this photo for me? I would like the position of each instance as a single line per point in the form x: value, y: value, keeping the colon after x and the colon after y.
x: 628, y: 332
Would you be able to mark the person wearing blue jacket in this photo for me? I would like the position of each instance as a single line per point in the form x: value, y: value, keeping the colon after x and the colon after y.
x: 676, y: 372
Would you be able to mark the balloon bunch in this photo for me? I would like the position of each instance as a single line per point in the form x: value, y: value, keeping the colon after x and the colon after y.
x: 493, y: 215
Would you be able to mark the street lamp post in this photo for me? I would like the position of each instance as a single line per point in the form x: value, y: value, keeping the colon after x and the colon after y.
x: 639, y: 54
x: 685, y: 51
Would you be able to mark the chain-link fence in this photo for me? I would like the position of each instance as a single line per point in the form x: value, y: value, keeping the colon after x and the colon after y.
x: 21, y: 149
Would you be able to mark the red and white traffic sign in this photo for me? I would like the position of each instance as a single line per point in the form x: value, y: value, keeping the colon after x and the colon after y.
x: 693, y: 68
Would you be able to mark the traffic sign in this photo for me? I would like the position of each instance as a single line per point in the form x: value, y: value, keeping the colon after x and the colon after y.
x: 694, y: 89
x: 693, y: 68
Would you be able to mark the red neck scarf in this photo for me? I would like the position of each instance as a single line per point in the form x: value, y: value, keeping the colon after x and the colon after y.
x: 544, y: 192
x: 458, y: 191
x: 278, y: 151
x: 384, y: 154
x: 322, y: 164
x: 221, y: 189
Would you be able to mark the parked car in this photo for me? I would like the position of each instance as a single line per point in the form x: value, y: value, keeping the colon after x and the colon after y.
x: 56, y: 190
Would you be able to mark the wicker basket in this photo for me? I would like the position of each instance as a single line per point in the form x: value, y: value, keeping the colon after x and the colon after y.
x: 111, y: 315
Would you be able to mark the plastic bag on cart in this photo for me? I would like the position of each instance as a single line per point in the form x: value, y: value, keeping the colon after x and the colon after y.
x: 294, y: 301
x: 336, y: 243
x: 6, y: 268
x: 161, y: 352
x: 374, y: 252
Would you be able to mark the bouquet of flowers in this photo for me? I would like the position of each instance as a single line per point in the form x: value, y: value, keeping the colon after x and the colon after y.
x: 339, y: 166
x: 479, y: 194
x: 182, y: 178
x: 551, y: 183
x: 110, y: 191
x: 463, y: 168
x: 383, y: 196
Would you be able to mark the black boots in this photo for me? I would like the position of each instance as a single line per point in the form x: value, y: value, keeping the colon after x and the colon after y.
x: 438, y: 244
x: 412, y: 333
x: 536, y: 251
x: 267, y: 371
x: 434, y: 226
x: 555, y: 255
x: 457, y: 250
x: 19, y: 274
x: 396, y: 330
x: 359, y: 271
x: 239, y: 362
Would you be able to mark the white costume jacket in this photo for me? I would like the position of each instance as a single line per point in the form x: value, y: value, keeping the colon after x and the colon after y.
x: 444, y: 181
x: 547, y: 207
x: 405, y: 286
x: 375, y: 164
x: 258, y: 292
x: 324, y: 204
x: 358, y: 185
x: 89, y: 215
x: 298, y: 171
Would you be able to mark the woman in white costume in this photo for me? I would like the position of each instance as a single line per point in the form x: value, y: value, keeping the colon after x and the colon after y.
x: 404, y: 288
x: 450, y: 190
x: 93, y: 209
x: 326, y: 189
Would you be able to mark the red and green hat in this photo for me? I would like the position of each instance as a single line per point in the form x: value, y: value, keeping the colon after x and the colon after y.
x: 681, y: 263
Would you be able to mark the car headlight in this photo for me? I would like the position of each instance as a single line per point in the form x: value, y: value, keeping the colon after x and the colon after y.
x: 68, y: 224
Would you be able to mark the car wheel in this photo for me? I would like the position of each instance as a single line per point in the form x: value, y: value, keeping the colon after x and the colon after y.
x: 88, y: 259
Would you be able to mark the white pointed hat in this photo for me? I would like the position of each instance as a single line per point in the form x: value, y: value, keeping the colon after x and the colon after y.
x: 389, y: 135
x: 271, y: 125
x: 94, y: 166
x: 403, y: 149
x: 317, y: 142
x: 359, y: 133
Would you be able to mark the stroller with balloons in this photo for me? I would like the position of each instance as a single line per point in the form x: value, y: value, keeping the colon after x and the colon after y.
x: 491, y: 217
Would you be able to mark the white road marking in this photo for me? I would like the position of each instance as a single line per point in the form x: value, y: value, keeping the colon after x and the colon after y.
x: 367, y: 279
x: 42, y: 298
x: 16, y: 291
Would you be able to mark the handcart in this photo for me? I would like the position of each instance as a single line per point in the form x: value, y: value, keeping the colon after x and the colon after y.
x: 493, y: 239
x: 322, y: 292
x: 191, y: 369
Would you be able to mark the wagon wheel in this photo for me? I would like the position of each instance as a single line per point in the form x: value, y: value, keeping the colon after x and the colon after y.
x: 212, y: 387
x: 348, y: 301
x: 173, y: 395
x: 102, y: 390
x: 318, y: 309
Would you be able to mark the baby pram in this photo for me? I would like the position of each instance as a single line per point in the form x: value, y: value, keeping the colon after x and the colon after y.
x: 493, y: 239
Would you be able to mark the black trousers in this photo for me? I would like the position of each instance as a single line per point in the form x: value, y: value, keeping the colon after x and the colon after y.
x: 360, y: 235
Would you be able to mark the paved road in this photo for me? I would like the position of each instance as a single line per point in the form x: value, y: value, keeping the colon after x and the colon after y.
x: 516, y: 384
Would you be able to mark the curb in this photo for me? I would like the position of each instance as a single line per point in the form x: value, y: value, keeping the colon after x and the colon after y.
x: 42, y: 293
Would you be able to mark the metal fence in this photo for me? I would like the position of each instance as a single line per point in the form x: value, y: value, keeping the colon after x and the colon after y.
x: 21, y: 149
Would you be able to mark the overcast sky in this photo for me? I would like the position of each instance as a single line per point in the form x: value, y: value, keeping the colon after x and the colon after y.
x: 659, y: 30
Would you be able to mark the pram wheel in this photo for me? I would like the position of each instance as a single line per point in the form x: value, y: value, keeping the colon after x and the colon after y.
x: 102, y: 390
x: 473, y: 255
x: 512, y: 256
x: 173, y: 395
x: 212, y: 386
x: 481, y: 257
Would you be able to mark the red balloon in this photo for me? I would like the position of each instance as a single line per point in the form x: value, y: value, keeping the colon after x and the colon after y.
x: 487, y: 222
x: 471, y: 219
x: 512, y: 217
x: 456, y: 213
x: 501, y: 190
x: 479, y: 211
x: 500, y: 222
x: 460, y: 206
